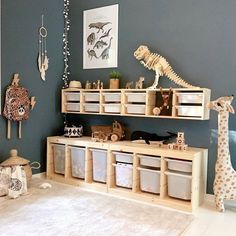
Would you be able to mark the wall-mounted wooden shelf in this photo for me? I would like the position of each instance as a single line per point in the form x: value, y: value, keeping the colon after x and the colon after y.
x: 196, y: 156
x: 184, y: 103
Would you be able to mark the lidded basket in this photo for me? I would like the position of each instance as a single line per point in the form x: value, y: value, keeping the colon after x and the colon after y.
x: 15, y: 160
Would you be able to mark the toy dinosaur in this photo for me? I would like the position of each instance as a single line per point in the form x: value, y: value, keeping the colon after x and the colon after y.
x: 156, y: 62
x: 98, y: 25
x: 142, y: 135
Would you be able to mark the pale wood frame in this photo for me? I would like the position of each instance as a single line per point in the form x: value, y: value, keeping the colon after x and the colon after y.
x: 198, y: 157
x: 149, y: 103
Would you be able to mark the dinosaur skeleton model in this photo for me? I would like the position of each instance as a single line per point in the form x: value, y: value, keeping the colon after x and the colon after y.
x: 156, y: 62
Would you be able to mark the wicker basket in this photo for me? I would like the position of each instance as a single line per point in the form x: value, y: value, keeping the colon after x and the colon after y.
x: 15, y: 160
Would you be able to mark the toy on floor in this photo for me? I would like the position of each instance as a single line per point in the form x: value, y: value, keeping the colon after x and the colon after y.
x: 165, y: 105
x: 102, y: 133
x: 45, y: 186
x: 147, y: 137
x: 225, y: 176
x: 156, y: 62
x: 17, y: 104
x: 180, y: 143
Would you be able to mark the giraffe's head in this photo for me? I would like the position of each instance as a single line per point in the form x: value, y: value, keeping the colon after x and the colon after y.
x: 222, y: 104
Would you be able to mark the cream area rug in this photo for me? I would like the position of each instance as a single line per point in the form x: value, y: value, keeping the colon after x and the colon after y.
x: 67, y: 210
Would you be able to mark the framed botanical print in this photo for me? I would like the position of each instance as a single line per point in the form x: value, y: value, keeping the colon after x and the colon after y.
x: 100, y: 37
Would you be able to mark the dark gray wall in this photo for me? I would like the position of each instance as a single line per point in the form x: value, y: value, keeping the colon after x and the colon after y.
x: 198, y: 39
x: 21, y: 20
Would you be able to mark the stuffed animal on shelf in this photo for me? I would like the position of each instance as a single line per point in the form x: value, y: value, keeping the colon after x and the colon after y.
x: 147, y: 137
x: 225, y: 176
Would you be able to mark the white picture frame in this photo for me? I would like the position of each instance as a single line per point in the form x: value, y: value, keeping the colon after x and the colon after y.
x: 100, y: 37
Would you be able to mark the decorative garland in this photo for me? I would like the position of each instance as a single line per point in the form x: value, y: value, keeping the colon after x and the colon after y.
x: 66, y: 51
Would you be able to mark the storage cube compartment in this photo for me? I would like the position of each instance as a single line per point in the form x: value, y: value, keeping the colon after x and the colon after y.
x: 149, y: 180
x: 112, y: 97
x: 77, y: 162
x: 135, y: 109
x: 112, y: 108
x: 189, y: 97
x: 124, y: 175
x: 151, y: 161
x: 91, y: 97
x: 99, y: 165
x: 59, y: 158
x: 91, y: 107
x: 179, y: 185
x: 136, y: 97
x: 179, y: 165
x: 72, y: 106
x: 72, y: 96
x: 123, y: 157
x: 194, y: 111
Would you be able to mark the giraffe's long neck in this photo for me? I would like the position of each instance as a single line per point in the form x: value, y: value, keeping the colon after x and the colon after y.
x: 223, y: 139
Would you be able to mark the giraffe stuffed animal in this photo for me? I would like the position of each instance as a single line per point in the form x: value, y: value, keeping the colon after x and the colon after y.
x: 225, y: 176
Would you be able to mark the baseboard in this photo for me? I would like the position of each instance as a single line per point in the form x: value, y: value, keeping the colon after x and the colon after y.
x: 40, y: 175
x: 210, y: 198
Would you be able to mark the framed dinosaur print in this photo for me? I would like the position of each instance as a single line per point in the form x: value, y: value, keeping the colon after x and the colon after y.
x: 100, y: 37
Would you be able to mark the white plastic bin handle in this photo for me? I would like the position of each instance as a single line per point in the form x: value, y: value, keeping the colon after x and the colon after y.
x: 150, y: 170
x: 178, y: 174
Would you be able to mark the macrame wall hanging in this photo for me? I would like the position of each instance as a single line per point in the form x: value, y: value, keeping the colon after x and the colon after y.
x: 42, y: 55
x: 66, y: 51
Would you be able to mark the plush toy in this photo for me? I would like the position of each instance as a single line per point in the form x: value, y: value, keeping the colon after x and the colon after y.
x: 147, y: 137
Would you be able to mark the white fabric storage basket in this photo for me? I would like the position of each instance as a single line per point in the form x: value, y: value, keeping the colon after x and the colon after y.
x: 135, y: 109
x: 91, y: 97
x: 136, y: 97
x: 179, y: 185
x: 72, y: 106
x: 72, y: 96
x: 150, y: 161
x: 124, y: 175
x: 189, y: 97
x: 149, y: 180
x: 99, y: 165
x: 112, y: 108
x: 123, y: 157
x: 189, y: 111
x: 59, y: 158
x: 112, y: 97
x: 77, y: 162
x: 90, y: 107
x: 179, y: 165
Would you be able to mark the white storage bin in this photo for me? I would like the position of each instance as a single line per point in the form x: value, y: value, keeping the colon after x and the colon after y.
x: 179, y: 165
x: 99, y: 165
x: 179, y: 185
x: 135, y: 109
x: 77, y: 162
x: 72, y: 96
x: 136, y: 97
x: 150, y: 161
x: 112, y: 97
x: 149, y: 180
x: 124, y: 175
x: 72, y: 106
x: 90, y: 107
x: 91, y: 97
x: 112, y: 108
x: 59, y: 158
x: 189, y: 97
x: 189, y: 110
x: 123, y: 157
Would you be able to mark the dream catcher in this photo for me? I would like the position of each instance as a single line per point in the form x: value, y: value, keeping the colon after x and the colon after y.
x: 42, y: 56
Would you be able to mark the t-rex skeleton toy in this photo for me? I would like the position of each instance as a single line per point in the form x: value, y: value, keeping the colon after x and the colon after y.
x: 156, y: 62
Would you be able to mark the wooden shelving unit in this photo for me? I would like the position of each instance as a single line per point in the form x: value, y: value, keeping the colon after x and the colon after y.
x: 184, y: 103
x: 197, y: 156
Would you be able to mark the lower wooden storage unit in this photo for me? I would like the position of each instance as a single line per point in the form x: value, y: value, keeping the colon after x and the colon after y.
x: 115, y: 162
